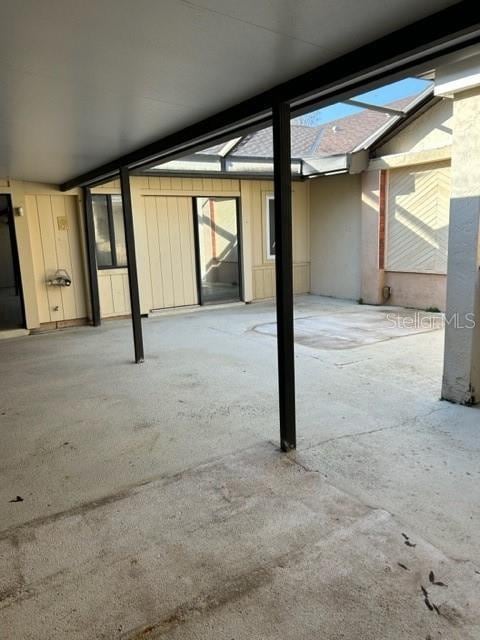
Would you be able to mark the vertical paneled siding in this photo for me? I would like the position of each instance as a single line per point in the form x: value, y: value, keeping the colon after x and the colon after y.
x: 254, y: 208
x: 113, y: 292
x: 56, y: 241
x: 162, y: 208
x: 163, y: 219
x: 168, y: 274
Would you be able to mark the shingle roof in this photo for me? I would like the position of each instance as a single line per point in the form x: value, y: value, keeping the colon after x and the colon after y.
x: 260, y: 144
x: 335, y: 137
x: 345, y: 134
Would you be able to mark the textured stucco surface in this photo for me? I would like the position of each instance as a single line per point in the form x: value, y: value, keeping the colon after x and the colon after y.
x: 461, y: 382
x: 372, y: 277
x: 419, y: 290
x: 432, y: 130
x: 335, y: 236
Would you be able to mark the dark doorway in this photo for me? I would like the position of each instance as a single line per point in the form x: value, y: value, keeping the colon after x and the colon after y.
x: 11, y: 303
x: 218, y: 250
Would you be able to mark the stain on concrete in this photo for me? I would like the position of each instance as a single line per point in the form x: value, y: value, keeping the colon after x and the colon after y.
x: 144, y: 425
x: 205, y: 603
x: 12, y: 581
x: 357, y: 328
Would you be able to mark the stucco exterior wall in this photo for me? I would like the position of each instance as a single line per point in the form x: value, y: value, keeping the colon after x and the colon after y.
x: 417, y: 290
x: 413, y: 151
x: 432, y: 130
x: 461, y: 381
x: 335, y: 228
x: 372, y: 274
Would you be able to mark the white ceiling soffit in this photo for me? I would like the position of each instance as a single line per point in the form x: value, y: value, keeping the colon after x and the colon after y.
x: 84, y: 82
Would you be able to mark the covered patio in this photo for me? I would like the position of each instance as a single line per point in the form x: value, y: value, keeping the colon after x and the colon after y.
x: 283, y: 469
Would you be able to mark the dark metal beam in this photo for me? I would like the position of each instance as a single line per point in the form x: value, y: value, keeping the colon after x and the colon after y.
x: 241, y: 275
x: 196, y: 244
x: 91, y: 258
x: 132, y: 264
x: 218, y: 175
x: 411, y: 48
x: 284, y: 274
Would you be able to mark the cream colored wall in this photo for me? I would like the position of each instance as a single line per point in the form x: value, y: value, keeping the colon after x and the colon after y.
x: 345, y: 239
x: 417, y: 290
x: 432, y: 130
x: 372, y: 273
x: 55, y: 235
x: 259, y: 270
x: 167, y: 225
x: 416, y: 147
x: 336, y: 216
x: 113, y: 283
x: 46, y: 244
x: 425, y: 143
x: 44, y: 247
x: 461, y: 376
x: 113, y: 292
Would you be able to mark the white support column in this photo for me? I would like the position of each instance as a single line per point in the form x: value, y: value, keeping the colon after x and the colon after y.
x: 461, y: 375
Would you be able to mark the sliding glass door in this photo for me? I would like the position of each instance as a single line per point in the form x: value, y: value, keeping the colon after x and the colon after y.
x: 218, y: 250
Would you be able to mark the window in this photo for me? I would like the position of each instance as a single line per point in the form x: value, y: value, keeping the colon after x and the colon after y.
x: 109, y: 231
x: 270, y: 227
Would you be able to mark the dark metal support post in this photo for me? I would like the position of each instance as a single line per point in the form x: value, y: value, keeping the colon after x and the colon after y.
x: 196, y: 243
x: 132, y: 264
x: 284, y: 273
x: 91, y: 258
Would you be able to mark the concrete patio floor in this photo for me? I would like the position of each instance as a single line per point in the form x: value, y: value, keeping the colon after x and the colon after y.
x: 156, y: 503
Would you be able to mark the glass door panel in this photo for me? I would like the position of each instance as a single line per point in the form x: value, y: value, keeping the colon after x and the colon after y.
x: 218, y: 249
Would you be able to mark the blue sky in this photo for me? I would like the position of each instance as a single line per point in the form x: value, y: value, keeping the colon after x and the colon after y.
x: 384, y: 95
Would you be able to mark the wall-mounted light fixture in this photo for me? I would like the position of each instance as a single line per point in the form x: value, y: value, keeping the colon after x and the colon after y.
x: 60, y: 279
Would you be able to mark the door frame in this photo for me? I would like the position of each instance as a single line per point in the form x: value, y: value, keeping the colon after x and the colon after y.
x: 196, y: 242
x: 15, y: 255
